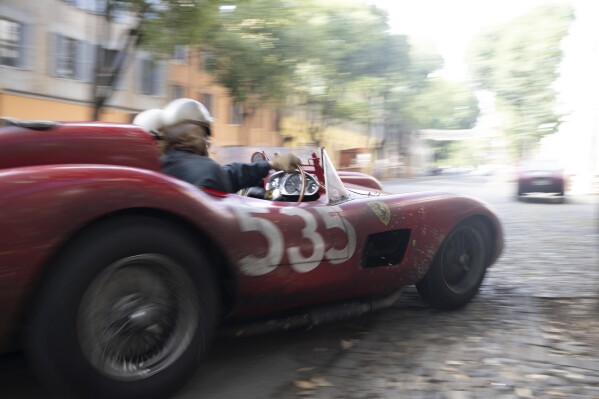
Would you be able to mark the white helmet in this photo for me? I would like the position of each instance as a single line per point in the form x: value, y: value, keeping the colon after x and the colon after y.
x: 187, y: 110
x: 150, y: 120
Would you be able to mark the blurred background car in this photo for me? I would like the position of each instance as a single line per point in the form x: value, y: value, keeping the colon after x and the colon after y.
x: 541, y: 176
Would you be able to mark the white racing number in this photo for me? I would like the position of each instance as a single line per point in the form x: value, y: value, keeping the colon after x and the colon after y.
x: 256, y: 266
x: 332, y: 220
x: 251, y: 264
x: 297, y: 260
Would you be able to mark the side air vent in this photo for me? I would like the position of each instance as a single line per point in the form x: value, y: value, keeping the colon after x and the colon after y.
x: 386, y: 248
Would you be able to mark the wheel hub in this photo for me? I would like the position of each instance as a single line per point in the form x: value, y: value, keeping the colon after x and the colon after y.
x: 136, y: 317
x: 464, y: 262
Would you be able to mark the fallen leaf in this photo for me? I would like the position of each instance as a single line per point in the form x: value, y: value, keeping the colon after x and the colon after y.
x: 575, y: 376
x: 556, y: 393
x: 346, y: 344
x: 461, y: 377
x: 454, y: 363
x: 523, y: 392
x: 321, y: 382
x: 304, y: 384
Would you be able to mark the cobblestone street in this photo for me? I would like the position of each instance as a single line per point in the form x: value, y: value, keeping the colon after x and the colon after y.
x: 532, y: 332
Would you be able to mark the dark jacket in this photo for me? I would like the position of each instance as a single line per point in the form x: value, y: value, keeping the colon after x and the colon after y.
x: 203, y: 171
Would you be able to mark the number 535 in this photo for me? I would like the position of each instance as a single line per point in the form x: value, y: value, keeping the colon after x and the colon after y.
x: 256, y: 266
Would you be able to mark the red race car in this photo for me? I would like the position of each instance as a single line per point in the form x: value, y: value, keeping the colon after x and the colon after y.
x: 541, y: 177
x: 115, y: 276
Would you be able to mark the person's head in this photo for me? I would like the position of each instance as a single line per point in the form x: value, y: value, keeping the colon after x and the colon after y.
x: 186, y: 126
x: 187, y: 137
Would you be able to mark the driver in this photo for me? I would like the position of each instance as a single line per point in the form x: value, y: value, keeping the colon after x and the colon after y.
x: 186, y: 127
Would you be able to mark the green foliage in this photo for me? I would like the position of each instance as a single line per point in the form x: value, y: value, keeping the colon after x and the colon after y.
x: 519, y: 62
x: 166, y: 23
x: 336, y: 60
x: 445, y: 105
x: 256, y: 49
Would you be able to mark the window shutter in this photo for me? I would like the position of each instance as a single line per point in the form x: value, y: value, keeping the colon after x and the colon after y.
x: 159, y: 77
x: 140, y: 74
x: 25, y: 52
x: 53, y: 55
x: 84, y: 66
x: 120, y: 80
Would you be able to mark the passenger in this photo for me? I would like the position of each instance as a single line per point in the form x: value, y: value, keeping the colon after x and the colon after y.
x: 185, y: 125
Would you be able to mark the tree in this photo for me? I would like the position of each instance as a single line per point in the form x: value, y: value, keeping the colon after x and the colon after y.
x: 519, y: 62
x: 159, y: 26
x: 335, y: 60
x: 255, y: 51
x: 444, y: 104
x: 354, y: 62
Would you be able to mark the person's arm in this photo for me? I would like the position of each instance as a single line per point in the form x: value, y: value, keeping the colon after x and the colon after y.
x: 243, y: 175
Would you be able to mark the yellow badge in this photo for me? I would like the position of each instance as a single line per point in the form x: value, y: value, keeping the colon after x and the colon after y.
x: 381, y: 210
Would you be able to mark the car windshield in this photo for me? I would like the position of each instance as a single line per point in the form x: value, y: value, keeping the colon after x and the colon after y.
x: 336, y: 191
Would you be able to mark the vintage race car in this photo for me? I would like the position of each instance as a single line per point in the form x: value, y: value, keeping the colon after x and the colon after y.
x: 116, y: 275
x: 541, y: 177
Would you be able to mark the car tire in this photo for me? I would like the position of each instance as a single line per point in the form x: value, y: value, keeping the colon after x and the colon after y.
x: 127, y: 312
x: 458, y: 268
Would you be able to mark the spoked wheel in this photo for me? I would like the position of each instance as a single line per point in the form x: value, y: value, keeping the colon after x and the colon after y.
x: 459, y: 267
x: 127, y: 313
x: 136, y: 318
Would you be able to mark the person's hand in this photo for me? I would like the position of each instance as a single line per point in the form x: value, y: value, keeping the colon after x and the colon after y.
x: 287, y: 162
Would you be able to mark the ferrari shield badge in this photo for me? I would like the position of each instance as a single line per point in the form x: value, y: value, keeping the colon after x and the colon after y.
x: 381, y: 210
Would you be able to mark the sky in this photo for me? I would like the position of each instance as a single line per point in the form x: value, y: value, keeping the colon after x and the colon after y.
x: 451, y: 24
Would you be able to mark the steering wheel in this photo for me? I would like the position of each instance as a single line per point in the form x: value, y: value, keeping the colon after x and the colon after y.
x: 304, y: 184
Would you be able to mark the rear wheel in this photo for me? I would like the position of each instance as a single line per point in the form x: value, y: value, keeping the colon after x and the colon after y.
x: 458, y: 268
x: 127, y: 313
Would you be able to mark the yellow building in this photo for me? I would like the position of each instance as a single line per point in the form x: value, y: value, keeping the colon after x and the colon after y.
x: 47, y: 60
x: 187, y: 77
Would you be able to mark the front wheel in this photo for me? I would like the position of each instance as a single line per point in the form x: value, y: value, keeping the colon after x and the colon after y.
x: 458, y: 268
x: 127, y: 312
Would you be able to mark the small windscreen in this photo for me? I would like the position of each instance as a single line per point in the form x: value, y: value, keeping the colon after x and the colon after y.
x: 336, y: 191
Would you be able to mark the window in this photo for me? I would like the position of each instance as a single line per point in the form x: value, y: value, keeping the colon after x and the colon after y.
x: 95, y: 6
x: 177, y: 92
x: 208, y: 60
x: 72, y: 59
x: 98, y: 6
x: 151, y: 77
x: 66, y: 57
x: 208, y: 100
x: 12, y: 43
x: 180, y: 54
x: 236, y: 114
x: 106, y: 60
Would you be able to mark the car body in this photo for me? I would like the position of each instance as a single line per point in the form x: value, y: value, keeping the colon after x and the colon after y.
x: 95, y: 239
x: 541, y: 176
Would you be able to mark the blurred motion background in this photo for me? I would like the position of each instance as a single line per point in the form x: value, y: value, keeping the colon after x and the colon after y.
x: 394, y: 88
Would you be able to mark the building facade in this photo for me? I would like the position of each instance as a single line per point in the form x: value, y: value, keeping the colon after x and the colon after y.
x: 48, y: 51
